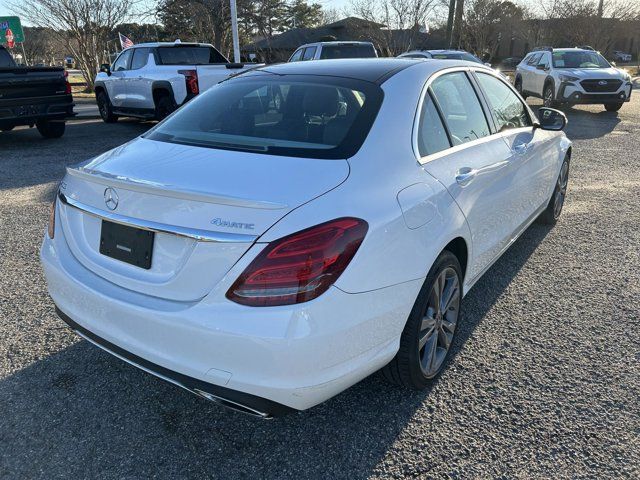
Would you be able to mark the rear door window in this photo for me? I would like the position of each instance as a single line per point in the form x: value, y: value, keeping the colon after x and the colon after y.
x: 460, y: 107
x: 190, y: 55
x: 140, y: 58
x: 432, y: 135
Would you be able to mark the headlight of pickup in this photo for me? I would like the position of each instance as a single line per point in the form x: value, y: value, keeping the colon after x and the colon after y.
x: 568, y: 78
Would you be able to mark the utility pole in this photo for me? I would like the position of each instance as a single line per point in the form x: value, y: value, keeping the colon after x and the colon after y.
x: 600, y: 8
x: 234, y: 31
x: 452, y: 9
x: 457, y: 25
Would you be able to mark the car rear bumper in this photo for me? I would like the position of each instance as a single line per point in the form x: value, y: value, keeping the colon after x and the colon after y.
x: 26, y: 111
x: 264, y: 361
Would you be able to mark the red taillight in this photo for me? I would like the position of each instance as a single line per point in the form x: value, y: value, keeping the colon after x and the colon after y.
x: 51, y: 229
x: 299, y: 267
x: 67, y: 88
x: 191, y: 80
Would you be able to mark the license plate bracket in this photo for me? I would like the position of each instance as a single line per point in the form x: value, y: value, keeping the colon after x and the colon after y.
x: 127, y: 244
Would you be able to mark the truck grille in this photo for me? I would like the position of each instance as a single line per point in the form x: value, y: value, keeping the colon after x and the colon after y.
x: 602, y: 85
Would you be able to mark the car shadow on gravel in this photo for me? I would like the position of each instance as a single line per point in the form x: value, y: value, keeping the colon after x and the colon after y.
x: 587, y: 124
x: 83, y: 413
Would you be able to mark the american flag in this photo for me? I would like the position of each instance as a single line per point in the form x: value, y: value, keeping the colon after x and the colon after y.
x: 125, y: 42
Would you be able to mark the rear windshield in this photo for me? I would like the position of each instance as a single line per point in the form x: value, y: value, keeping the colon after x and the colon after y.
x: 579, y: 59
x: 456, y: 56
x: 189, y: 56
x: 347, y: 51
x: 279, y: 115
x: 5, y: 59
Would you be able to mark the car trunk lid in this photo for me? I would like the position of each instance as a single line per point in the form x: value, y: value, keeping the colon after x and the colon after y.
x: 206, y: 206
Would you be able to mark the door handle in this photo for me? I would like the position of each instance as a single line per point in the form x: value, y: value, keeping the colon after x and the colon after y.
x: 521, y: 148
x: 465, y: 175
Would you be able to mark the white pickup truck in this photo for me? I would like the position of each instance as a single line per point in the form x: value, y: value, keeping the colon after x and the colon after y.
x: 151, y: 80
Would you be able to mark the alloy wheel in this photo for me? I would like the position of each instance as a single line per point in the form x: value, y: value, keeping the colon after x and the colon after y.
x: 548, y: 97
x: 439, y: 322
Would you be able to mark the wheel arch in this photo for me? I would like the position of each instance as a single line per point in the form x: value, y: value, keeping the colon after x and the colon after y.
x: 458, y: 247
x: 161, y: 88
x: 100, y: 87
x: 549, y: 81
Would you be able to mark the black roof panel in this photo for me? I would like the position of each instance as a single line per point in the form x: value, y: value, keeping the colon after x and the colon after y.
x: 369, y: 69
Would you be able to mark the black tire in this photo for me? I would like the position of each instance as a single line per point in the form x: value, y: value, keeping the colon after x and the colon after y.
x: 613, y: 107
x: 407, y: 367
x: 548, y: 97
x: 50, y: 128
x: 164, y: 107
x: 518, y: 85
x: 552, y: 213
x: 105, y: 108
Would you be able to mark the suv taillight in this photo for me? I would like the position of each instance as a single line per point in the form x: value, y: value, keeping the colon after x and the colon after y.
x: 191, y: 80
x: 299, y: 267
x: 67, y: 85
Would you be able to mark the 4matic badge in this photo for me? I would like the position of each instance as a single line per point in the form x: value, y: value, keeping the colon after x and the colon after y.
x: 230, y: 224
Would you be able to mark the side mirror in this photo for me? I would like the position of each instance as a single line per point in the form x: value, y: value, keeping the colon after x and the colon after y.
x: 105, y: 68
x: 487, y: 64
x: 613, y: 64
x: 541, y: 67
x: 551, y: 119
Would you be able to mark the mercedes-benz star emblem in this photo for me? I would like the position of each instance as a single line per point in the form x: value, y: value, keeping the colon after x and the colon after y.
x: 110, y: 198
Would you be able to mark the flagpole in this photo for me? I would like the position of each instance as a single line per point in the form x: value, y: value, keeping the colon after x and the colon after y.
x: 234, y: 31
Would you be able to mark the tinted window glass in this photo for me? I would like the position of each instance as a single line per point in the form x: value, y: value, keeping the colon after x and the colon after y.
x: 347, y: 51
x: 508, y: 110
x: 432, y: 136
x: 309, y: 52
x: 544, y: 60
x: 140, y: 57
x: 579, y: 59
x: 122, y: 62
x: 297, y: 55
x: 277, y: 115
x: 533, y: 60
x: 457, y: 56
x: 190, y: 55
x: 460, y: 107
x: 415, y: 55
x: 5, y: 59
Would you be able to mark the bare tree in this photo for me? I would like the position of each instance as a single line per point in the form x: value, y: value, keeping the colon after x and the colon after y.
x: 486, y: 21
x: 85, y: 26
x: 401, y: 20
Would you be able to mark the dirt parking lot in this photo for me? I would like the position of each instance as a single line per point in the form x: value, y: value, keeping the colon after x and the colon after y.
x: 544, y: 380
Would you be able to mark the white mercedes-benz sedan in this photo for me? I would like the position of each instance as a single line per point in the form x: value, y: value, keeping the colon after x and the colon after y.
x: 301, y: 226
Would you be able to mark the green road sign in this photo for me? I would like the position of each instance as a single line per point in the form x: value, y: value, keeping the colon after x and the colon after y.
x: 14, y: 24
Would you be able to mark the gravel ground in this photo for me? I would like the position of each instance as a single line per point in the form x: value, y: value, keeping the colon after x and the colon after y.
x: 544, y: 380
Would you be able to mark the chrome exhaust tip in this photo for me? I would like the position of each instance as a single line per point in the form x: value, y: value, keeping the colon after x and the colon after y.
x: 230, y: 404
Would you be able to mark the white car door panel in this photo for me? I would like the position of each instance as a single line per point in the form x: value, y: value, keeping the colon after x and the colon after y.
x: 476, y: 170
x: 138, y: 82
x: 117, y: 83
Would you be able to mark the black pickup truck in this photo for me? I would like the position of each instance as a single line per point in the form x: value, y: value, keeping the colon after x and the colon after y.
x: 39, y: 96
